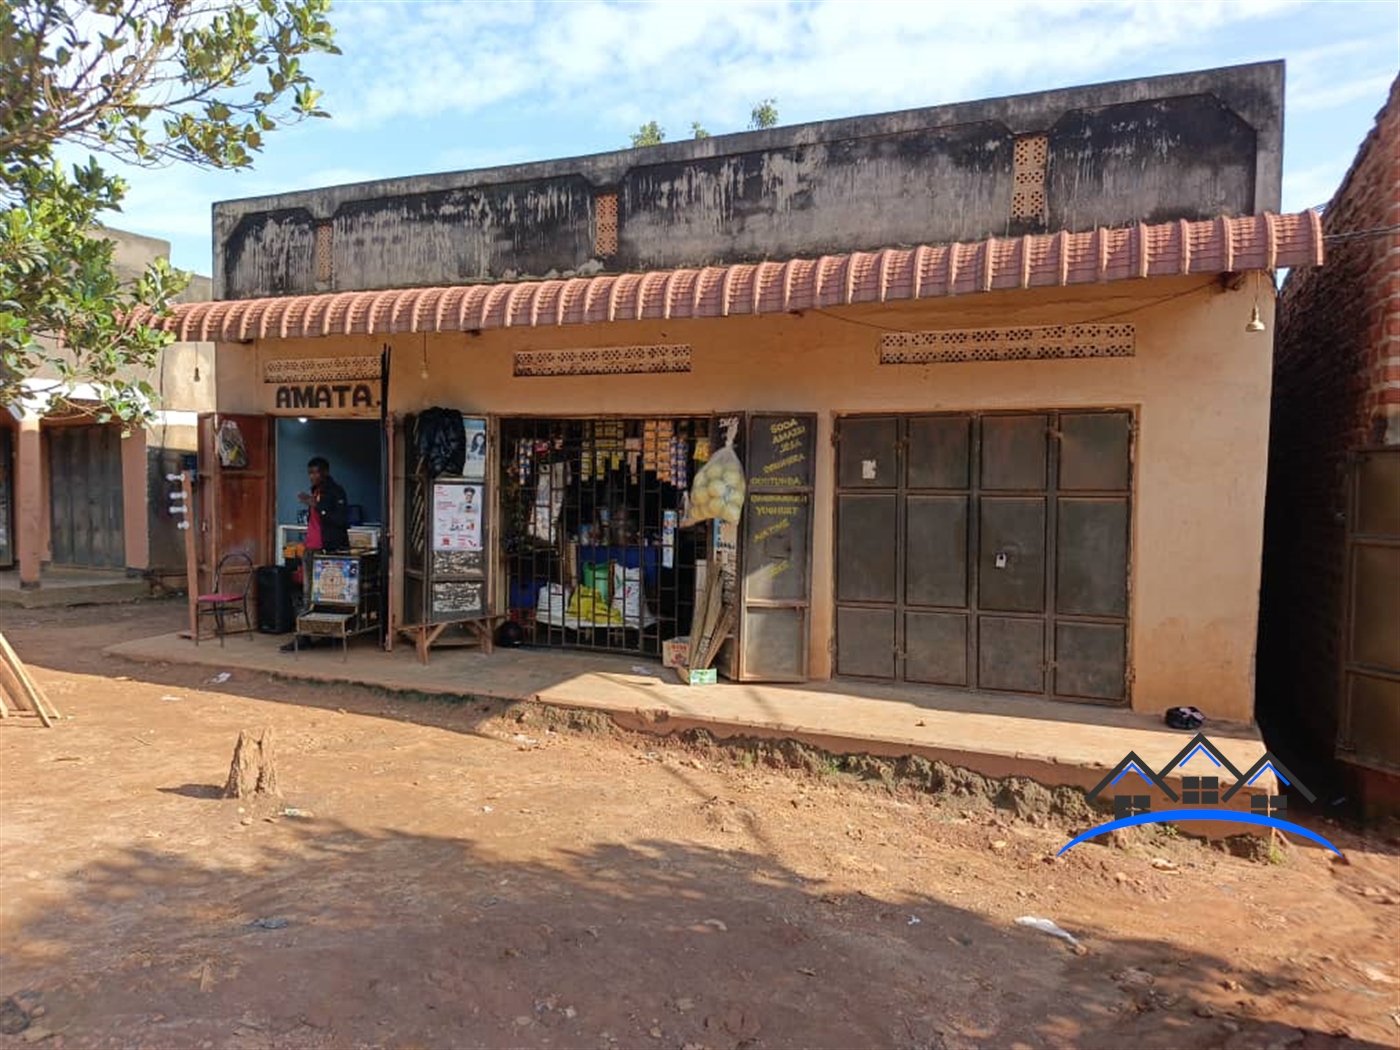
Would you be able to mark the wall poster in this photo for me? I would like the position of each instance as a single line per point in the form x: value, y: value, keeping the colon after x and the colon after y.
x: 475, y: 466
x: 457, y: 517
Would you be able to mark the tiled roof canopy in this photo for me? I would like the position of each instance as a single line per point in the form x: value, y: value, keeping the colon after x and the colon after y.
x: 1259, y: 242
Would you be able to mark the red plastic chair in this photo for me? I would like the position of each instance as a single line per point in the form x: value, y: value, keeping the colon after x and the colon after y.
x: 226, y: 601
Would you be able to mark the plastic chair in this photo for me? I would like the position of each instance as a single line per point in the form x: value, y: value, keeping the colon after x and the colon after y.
x: 226, y: 601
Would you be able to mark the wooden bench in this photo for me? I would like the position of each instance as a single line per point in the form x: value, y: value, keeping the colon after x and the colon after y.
x: 480, y: 633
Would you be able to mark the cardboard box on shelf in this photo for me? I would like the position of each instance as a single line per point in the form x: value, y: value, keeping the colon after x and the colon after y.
x: 675, y: 652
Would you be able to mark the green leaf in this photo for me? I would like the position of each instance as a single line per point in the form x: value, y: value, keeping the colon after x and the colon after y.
x: 56, y: 271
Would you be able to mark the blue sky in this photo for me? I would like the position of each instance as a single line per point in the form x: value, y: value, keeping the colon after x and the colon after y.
x: 428, y: 87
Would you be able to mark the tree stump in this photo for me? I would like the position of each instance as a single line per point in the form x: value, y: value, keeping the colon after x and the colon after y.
x: 254, y: 767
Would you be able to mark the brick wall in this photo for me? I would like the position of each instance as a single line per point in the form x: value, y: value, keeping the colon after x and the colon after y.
x: 1336, y: 389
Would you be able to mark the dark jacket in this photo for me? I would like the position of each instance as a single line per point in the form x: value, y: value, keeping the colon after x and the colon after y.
x: 334, y: 508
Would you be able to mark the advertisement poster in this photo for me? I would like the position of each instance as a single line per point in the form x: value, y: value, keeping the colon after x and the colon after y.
x: 475, y: 466
x: 335, y: 581
x: 457, y: 517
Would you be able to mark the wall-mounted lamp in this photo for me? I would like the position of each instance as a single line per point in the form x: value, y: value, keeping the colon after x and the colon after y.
x: 301, y: 419
x: 1255, y: 322
x: 423, y: 372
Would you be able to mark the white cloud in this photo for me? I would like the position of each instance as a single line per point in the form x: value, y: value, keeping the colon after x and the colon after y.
x: 1340, y: 94
x: 1332, y: 75
x: 1313, y: 186
x: 678, y: 61
x: 482, y: 84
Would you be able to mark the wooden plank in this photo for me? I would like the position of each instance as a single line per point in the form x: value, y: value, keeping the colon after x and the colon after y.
x: 191, y: 553
x: 10, y: 686
x: 721, y: 635
x: 426, y: 637
x: 714, y: 609
x: 28, y: 687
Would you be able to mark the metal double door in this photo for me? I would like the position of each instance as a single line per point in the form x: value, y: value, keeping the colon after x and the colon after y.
x: 986, y: 552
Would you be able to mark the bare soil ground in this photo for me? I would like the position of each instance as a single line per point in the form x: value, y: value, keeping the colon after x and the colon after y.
x: 481, y: 875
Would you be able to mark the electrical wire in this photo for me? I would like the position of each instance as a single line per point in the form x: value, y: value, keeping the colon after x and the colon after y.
x: 1356, y: 235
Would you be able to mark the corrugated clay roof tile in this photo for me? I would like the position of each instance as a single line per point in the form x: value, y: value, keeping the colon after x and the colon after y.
x: 1259, y: 242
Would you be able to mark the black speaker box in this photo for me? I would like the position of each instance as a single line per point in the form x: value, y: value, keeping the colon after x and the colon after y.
x: 276, y: 600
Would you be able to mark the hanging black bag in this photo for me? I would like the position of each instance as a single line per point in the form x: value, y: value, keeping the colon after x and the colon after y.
x: 442, y: 441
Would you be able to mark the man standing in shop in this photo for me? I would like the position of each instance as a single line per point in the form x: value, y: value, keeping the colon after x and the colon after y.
x: 327, y: 527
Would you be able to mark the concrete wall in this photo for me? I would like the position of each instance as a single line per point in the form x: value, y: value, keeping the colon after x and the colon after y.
x: 1199, y: 383
x: 1190, y: 146
x: 1337, y: 389
x: 184, y: 380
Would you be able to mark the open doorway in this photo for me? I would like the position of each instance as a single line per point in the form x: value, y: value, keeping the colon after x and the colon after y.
x: 354, y: 449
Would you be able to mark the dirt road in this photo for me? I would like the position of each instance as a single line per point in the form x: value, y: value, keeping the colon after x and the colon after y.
x: 472, y: 875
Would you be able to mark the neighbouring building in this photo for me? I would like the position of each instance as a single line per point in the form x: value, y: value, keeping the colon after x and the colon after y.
x: 78, y: 494
x: 998, y: 375
x: 1330, y: 629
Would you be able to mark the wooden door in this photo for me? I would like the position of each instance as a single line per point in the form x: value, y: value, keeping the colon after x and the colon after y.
x: 234, y: 502
x: 87, y: 511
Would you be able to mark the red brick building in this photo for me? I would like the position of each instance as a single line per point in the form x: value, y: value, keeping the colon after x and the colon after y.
x: 1329, y: 658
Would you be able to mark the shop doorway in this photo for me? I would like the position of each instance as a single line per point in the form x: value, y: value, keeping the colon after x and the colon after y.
x: 86, y: 507
x: 988, y: 552
x: 591, y: 543
x: 251, y: 468
x: 354, y: 449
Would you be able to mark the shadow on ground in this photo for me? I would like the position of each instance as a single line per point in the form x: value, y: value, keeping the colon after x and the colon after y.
x: 378, y: 938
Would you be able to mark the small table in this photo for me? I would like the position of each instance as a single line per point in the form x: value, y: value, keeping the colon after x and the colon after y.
x: 482, y: 634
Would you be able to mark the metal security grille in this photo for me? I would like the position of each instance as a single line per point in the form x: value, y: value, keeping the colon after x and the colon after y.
x: 987, y: 552
x: 592, y: 548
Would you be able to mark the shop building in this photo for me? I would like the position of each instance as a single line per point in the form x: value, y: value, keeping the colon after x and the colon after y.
x: 997, y: 373
x: 78, y: 494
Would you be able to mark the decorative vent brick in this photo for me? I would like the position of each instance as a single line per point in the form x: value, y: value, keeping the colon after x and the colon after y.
x: 1047, y: 343
x: 1032, y: 151
x: 604, y: 361
x: 320, y: 369
x: 325, y: 268
x: 605, y: 225
x: 1030, y: 158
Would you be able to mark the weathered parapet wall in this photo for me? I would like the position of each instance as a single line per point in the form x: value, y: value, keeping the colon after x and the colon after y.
x: 1189, y: 146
